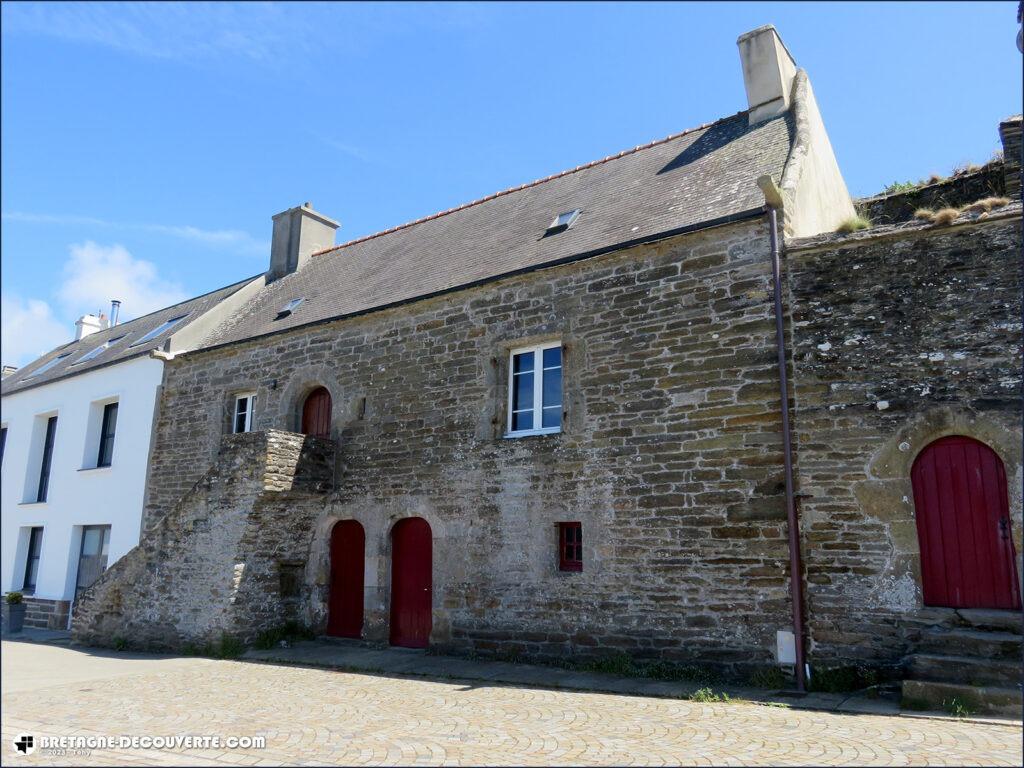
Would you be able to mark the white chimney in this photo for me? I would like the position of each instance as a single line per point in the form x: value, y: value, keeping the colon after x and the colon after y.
x: 298, y: 233
x: 768, y: 72
x: 87, y: 324
x: 115, y: 310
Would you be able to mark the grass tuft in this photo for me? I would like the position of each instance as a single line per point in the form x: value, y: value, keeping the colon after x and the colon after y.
x: 708, y: 696
x: 925, y: 214
x: 986, y: 204
x: 957, y: 708
x: 945, y: 216
x: 853, y: 224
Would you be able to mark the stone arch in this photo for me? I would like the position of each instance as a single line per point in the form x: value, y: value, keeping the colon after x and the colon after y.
x: 896, y: 457
x: 886, y: 494
x: 300, y: 383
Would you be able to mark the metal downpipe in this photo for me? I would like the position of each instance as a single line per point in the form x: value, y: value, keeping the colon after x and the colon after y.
x: 795, y: 568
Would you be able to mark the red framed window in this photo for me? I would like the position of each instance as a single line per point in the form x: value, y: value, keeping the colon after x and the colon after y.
x: 570, y: 546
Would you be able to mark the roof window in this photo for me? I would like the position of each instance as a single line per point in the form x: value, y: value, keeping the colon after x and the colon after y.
x: 563, y: 221
x: 164, y: 326
x: 47, y: 365
x: 290, y: 307
x: 94, y: 353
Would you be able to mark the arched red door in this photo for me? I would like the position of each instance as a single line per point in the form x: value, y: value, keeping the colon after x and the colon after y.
x: 411, y: 583
x: 963, y: 526
x: 316, y: 413
x: 345, y: 605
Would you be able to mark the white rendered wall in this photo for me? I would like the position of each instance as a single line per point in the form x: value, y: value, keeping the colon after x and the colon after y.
x: 79, y: 494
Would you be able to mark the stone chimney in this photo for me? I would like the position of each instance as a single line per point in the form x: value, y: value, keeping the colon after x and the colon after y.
x: 1009, y: 132
x: 768, y: 72
x: 87, y: 324
x: 298, y: 233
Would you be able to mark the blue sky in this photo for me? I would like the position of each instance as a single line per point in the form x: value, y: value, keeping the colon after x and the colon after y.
x: 145, y: 147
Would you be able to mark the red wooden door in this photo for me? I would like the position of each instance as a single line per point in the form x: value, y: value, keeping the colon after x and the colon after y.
x: 345, y: 606
x: 316, y: 413
x: 411, y: 583
x: 963, y: 525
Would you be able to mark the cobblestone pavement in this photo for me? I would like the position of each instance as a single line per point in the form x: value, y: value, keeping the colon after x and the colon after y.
x: 323, y: 717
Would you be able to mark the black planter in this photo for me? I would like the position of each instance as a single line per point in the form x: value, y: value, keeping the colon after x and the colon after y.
x: 15, y: 617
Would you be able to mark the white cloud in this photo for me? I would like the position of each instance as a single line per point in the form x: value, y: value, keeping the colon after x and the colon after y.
x: 95, y: 274
x: 91, y: 277
x: 185, y: 31
x: 28, y: 329
x: 230, y: 238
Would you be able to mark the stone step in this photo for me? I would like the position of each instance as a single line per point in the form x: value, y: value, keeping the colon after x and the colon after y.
x: 977, y: 643
x: 963, y: 669
x: 981, y: 700
x: 1003, y: 621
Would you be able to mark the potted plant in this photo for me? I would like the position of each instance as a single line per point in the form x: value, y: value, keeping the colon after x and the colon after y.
x: 15, y: 612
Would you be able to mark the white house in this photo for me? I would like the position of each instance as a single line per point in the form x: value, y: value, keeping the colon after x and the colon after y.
x: 75, y: 430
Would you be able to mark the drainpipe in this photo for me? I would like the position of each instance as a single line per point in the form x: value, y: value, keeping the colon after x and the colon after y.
x: 773, y: 201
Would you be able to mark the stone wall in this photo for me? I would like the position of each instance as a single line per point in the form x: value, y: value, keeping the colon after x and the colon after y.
x: 902, y: 335
x: 219, y: 562
x: 954, y: 192
x: 669, y: 455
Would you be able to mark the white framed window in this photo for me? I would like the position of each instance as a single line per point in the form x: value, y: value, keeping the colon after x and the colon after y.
x: 245, y: 404
x: 535, y: 390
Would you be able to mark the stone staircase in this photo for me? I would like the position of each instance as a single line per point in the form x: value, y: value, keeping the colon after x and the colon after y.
x: 973, y: 656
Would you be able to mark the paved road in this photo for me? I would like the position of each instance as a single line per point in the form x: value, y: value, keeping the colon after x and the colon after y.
x: 321, y: 717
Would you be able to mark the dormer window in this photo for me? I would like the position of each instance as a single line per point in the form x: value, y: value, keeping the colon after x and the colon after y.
x: 562, y: 222
x: 290, y: 307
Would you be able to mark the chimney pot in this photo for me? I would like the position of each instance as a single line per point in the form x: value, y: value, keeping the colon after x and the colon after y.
x: 768, y: 72
x: 298, y: 233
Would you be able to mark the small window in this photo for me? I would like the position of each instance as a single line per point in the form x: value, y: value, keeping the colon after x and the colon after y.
x: 563, y: 221
x: 535, y: 390
x: 244, y: 406
x: 47, y: 365
x: 35, y: 548
x: 106, y: 452
x: 164, y: 326
x: 44, y: 466
x: 290, y: 307
x: 570, y: 546
x: 94, y: 353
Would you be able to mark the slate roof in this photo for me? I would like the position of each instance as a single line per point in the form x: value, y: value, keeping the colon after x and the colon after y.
x: 696, y: 177
x: 131, y: 330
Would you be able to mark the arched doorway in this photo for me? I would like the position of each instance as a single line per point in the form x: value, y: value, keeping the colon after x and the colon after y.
x: 316, y: 413
x: 345, y: 605
x: 963, y: 526
x: 411, y: 583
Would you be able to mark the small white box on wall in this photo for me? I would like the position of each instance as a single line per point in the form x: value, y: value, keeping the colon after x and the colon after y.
x: 785, y: 650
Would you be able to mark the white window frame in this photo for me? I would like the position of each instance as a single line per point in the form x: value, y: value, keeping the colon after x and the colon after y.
x: 249, y: 411
x: 538, y: 389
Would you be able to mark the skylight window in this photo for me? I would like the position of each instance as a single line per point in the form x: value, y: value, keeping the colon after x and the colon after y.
x: 290, y: 307
x: 47, y: 365
x: 94, y: 353
x: 563, y: 221
x: 164, y: 326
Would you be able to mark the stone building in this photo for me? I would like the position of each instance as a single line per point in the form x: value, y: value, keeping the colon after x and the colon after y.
x: 549, y: 422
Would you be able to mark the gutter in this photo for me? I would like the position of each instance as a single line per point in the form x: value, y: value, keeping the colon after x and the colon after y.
x: 773, y: 202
